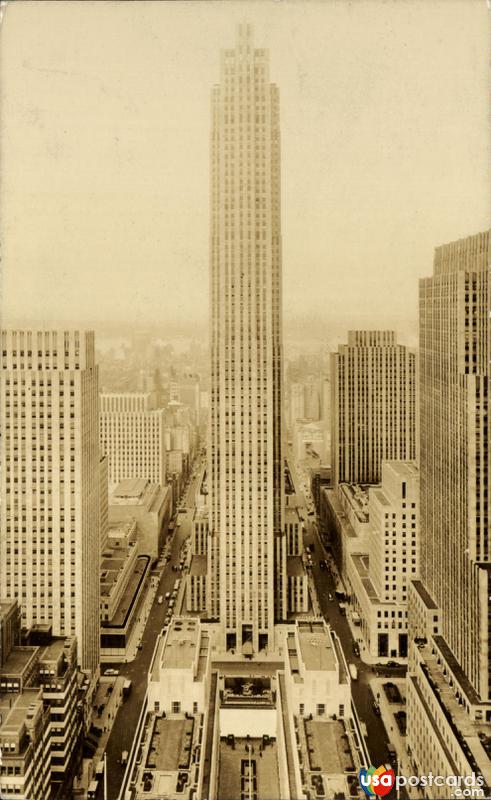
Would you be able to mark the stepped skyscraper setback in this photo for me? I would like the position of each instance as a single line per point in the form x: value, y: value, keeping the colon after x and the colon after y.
x: 245, y: 462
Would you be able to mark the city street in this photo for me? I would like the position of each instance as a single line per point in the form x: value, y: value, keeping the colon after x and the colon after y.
x: 363, y: 699
x: 126, y: 721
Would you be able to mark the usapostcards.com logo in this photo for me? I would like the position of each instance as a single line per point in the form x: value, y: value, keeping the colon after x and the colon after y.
x: 376, y: 781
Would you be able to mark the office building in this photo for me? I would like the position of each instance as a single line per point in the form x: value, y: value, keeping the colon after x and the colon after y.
x: 382, y: 563
x: 449, y: 682
x: 40, y: 721
x: 147, y: 503
x: 245, y: 455
x: 132, y: 436
x: 50, y: 509
x: 373, y: 405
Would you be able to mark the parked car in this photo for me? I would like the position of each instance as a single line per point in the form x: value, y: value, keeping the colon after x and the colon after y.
x: 393, y: 664
x: 356, y: 648
x: 376, y: 709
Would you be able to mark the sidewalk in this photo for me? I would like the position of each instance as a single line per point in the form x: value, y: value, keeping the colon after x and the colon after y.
x: 388, y: 711
x: 109, y: 697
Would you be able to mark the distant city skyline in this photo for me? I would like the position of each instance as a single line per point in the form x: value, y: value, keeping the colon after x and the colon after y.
x: 105, y: 194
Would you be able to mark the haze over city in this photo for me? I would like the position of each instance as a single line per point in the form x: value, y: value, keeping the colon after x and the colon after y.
x: 105, y: 136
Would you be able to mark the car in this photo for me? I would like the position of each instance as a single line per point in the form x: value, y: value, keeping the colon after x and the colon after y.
x: 393, y: 664
x: 330, y: 596
x: 140, y: 646
x: 167, y: 595
x: 380, y: 664
x: 376, y: 709
x: 111, y: 672
x: 356, y: 648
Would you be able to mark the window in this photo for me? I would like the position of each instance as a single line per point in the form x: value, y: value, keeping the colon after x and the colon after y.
x: 176, y: 708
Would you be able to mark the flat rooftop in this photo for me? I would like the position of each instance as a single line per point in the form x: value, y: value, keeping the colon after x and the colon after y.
x: 138, y: 492
x: 53, y: 651
x: 326, y: 747
x: 294, y: 566
x: 249, y: 769
x: 291, y: 512
x: 124, y: 605
x: 179, y: 649
x: 199, y: 565
x: 17, y: 661
x: 19, y: 705
x: 130, y: 488
x: 360, y: 562
x: 170, y: 744
x: 315, y: 646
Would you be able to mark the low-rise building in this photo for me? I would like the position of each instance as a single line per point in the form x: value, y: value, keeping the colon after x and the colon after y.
x: 447, y: 733
x: 40, y: 718
x: 150, y: 505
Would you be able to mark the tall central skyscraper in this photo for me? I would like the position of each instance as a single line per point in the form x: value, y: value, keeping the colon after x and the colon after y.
x: 245, y: 455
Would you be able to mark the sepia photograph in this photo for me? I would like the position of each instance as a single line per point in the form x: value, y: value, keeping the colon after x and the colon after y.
x: 245, y: 383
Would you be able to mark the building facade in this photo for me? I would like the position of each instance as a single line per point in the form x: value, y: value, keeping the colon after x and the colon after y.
x: 373, y: 405
x: 132, y: 436
x: 49, y: 486
x: 247, y: 550
x: 450, y: 668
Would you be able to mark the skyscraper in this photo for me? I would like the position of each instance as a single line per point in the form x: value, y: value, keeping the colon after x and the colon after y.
x: 132, y: 436
x: 373, y: 405
x: 245, y: 456
x: 455, y: 588
x: 49, y: 513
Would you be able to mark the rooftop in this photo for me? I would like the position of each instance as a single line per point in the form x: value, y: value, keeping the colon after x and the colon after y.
x: 294, y: 566
x: 315, y: 646
x: 179, y: 646
x: 138, y: 492
x: 199, y: 565
x: 249, y: 768
x: 17, y: 708
x: 17, y: 661
x: 126, y: 602
x: 361, y: 562
x: 328, y: 748
x: 130, y: 488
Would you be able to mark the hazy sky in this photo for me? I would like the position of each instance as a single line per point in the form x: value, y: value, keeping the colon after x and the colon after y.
x: 105, y: 152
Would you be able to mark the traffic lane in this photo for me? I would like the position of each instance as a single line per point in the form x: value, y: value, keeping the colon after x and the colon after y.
x: 361, y: 691
x: 125, y: 723
x: 126, y: 720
